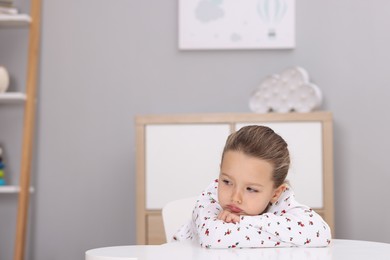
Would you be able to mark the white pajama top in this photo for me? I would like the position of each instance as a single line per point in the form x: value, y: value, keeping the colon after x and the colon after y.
x: 285, y: 224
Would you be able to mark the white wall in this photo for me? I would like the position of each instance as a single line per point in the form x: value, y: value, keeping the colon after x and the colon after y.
x: 103, y: 62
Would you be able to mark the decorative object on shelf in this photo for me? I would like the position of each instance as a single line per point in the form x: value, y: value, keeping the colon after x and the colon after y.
x: 6, y: 3
x: 6, y: 6
x: 4, y: 79
x: 232, y: 24
x: 288, y: 91
x: 2, y: 166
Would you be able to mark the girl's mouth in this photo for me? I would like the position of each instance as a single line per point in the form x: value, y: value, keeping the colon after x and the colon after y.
x: 234, y: 209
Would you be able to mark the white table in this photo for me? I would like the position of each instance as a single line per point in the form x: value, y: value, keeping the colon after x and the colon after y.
x: 338, y: 249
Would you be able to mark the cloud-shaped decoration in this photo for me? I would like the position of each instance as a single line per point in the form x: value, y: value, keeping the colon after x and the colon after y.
x: 289, y: 91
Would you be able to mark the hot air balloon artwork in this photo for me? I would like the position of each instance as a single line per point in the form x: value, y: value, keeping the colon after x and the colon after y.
x: 232, y: 24
x: 272, y: 12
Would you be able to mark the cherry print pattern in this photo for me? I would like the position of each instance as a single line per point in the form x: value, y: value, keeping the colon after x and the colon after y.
x: 286, y: 224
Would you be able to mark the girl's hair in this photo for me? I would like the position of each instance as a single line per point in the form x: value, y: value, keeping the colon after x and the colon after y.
x: 263, y: 143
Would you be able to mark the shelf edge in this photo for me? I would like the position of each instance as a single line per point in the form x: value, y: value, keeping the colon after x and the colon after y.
x: 9, y: 97
x: 12, y: 189
x: 14, y: 19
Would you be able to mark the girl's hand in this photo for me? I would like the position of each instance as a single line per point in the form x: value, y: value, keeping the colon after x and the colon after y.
x: 228, y: 217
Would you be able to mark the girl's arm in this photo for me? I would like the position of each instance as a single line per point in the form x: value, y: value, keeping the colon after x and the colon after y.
x: 299, y: 226
x: 214, y: 233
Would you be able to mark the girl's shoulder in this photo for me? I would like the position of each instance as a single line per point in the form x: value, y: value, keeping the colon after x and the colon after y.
x: 211, y: 191
x: 213, y: 186
x: 286, y: 202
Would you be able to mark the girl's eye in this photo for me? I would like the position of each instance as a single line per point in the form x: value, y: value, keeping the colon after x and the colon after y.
x: 227, y: 182
x: 251, y: 190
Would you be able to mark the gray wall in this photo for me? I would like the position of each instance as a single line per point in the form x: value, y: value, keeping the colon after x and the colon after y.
x: 103, y: 62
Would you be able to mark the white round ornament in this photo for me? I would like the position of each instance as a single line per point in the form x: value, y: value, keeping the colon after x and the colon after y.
x: 4, y: 79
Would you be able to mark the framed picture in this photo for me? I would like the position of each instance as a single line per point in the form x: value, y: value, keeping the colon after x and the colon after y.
x: 233, y: 24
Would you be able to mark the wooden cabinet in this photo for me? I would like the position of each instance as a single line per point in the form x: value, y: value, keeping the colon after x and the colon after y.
x: 173, y: 150
x: 27, y: 95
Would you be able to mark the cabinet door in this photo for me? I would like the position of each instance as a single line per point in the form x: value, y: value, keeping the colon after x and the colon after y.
x: 304, y: 140
x: 181, y: 160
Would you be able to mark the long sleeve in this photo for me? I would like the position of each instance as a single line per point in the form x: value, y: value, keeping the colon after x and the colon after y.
x: 286, y: 224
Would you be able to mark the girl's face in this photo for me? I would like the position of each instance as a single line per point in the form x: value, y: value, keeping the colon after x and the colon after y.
x: 245, y: 184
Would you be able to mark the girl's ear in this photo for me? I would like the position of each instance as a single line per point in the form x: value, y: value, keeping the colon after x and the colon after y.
x: 278, y: 192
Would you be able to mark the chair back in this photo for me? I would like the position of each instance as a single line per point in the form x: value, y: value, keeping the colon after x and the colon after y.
x: 177, y: 213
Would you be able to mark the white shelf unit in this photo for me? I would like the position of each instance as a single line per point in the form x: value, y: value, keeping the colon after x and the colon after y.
x: 12, y: 97
x: 14, y: 19
x: 32, y: 21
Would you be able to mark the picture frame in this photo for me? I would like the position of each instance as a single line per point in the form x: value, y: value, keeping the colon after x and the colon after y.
x: 232, y: 24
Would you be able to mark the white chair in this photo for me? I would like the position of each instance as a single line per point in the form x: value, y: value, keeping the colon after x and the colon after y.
x: 177, y: 213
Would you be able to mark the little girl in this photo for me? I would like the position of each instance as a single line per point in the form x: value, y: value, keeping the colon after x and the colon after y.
x: 251, y: 204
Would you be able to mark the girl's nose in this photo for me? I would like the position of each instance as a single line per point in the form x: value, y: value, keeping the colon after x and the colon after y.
x: 236, y: 197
